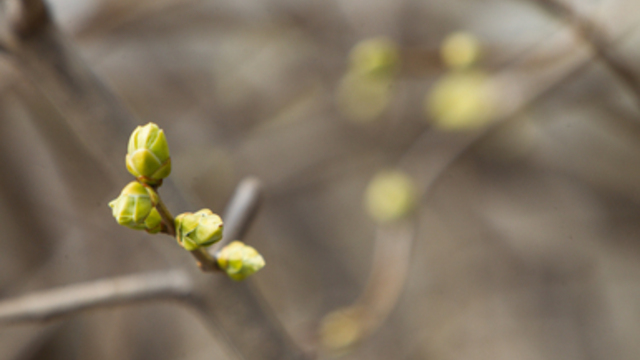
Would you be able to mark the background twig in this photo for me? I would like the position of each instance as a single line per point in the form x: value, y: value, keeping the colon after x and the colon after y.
x: 597, y: 38
x: 50, y: 304
x: 240, y: 211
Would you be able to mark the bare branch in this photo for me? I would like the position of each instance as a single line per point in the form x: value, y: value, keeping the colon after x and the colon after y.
x: 597, y: 38
x: 48, y: 304
x: 240, y: 211
x: 39, y: 50
x: 388, y: 275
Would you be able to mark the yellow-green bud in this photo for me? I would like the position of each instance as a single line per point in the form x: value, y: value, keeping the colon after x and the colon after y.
x: 459, y: 101
x: 134, y: 208
x: 200, y: 229
x: 148, y: 154
x: 342, y: 329
x: 239, y: 261
x: 375, y: 57
x: 390, y: 196
x: 460, y: 50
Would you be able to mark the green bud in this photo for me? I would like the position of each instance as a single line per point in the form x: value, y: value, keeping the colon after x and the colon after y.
x: 239, y: 261
x: 460, y: 50
x: 134, y: 208
x: 148, y: 154
x: 376, y: 57
x: 390, y: 196
x: 342, y: 328
x: 200, y: 229
x: 462, y: 101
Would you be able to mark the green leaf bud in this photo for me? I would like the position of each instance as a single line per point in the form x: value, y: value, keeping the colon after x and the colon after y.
x: 391, y: 195
x: 376, y: 57
x: 200, y: 229
x: 135, y: 208
x: 460, y: 50
x: 148, y: 154
x: 239, y: 261
x: 460, y: 101
x: 342, y: 328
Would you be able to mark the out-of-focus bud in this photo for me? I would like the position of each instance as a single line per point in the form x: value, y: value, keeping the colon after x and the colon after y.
x: 197, y: 230
x: 341, y: 329
x: 134, y: 208
x: 239, y: 260
x: 390, y: 196
x: 148, y: 154
x: 461, y: 101
x: 460, y: 50
x: 375, y: 57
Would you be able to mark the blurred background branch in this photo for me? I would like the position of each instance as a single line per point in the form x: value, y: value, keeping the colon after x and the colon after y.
x: 50, y: 304
x: 597, y: 38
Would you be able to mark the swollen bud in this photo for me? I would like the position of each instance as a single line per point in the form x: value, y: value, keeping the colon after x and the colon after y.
x: 391, y: 195
x: 148, y: 154
x: 239, y: 261
x: 376, y: 57
x: 200, y: 229
x: 134, y: 208
x: 460, y: 50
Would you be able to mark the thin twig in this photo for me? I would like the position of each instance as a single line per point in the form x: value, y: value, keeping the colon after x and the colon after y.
x: 38, y: 48
x: 389, y: 271
x: 49, y: 304
x: 596, y: 37
x: 205, y: 261
x: 167, y: 219
x: 240, y: 212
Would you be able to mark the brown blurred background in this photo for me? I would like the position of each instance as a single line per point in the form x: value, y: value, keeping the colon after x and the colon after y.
x: 527, y: 244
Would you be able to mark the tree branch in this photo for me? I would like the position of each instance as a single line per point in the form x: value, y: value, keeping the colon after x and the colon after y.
x: 49, y: 304
x: 387, y: 278
x: 37, y: 48
x: 240, y: 212
x: 597, y: 38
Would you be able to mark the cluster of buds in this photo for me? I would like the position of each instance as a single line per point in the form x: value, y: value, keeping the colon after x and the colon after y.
x: 140, y: 207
